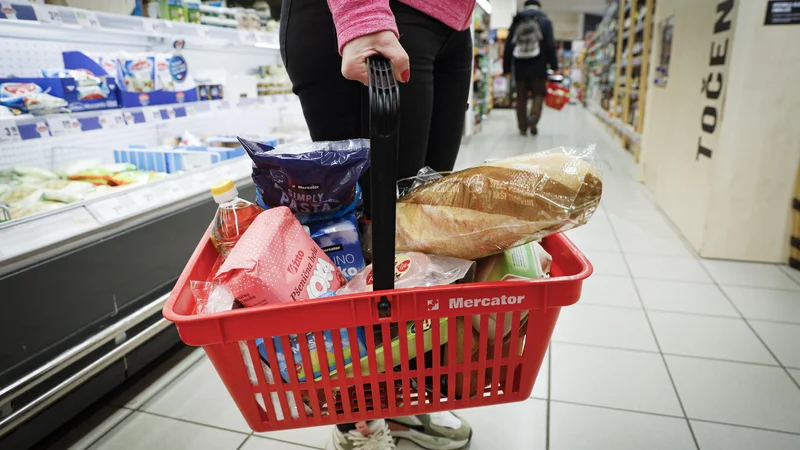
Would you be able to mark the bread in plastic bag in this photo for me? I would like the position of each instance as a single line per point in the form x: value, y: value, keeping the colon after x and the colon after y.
x: 501, y: 204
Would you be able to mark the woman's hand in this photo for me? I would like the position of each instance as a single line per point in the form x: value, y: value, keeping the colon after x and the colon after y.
x: 356, y: 52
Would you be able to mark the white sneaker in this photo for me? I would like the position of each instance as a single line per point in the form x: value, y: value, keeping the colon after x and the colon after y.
x: 438, y: 431
x: 379, y: 438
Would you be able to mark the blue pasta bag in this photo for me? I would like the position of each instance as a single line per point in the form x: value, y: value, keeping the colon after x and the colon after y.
x: 310, y: 178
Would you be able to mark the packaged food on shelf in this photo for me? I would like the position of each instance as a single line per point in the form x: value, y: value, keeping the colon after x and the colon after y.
x: 339, y: 239
x: 172, y: 10
x: 500, y: 204
x: 137, y: 72
x: 314, y: 179
x: 26, y: 96
x: 233, y: 217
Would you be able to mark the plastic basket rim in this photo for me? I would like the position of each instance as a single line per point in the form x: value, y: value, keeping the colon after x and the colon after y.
x: 169, y: 313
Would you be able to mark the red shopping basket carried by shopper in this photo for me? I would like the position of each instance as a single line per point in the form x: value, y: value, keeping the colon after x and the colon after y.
x: 557, y: 96
x: 442, y: 368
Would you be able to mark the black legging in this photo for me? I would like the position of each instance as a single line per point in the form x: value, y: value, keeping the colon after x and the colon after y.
x: 433, y: 103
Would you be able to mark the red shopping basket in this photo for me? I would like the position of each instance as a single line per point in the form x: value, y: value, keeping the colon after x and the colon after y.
x: 557, y: 96
x: 453, y: 365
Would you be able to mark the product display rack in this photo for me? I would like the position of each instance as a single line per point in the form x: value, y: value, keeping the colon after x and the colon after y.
x: 623, y: 111
x: 482, y: 74
x: 88, y: 280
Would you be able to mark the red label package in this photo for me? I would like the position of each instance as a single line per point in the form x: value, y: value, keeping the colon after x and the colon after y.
x: 276, y: 261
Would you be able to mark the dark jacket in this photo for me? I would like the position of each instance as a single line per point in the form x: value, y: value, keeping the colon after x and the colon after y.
x: 531, y: 67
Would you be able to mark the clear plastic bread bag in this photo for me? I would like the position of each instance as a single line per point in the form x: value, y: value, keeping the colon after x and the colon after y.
x: 500, y: 204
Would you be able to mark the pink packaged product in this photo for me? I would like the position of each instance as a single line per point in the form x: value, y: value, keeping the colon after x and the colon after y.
x: 276, y: 261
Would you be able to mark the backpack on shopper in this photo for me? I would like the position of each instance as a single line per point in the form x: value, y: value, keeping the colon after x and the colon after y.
x: 528, y: 38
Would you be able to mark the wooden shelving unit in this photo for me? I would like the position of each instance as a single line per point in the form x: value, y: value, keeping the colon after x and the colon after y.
x: 630, y: 24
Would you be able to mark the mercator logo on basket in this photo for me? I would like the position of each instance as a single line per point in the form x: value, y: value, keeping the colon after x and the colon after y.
x: 460, y: 302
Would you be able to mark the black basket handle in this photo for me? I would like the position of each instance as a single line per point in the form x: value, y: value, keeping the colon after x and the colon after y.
x: 384, y: 126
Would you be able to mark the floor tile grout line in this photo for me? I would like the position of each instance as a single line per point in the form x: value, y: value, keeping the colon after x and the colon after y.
x: 245, y: 441
x: 177, y: 376
x: 655, y: 338
x: 685, y: 313
x: 671, y: 416
x: 679, y: 355
x: 286, y: 442
x: 750, y: 326
x: 104, y: 434
x: 216, y: 427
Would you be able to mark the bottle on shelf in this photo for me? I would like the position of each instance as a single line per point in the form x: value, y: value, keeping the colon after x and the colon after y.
x: 234, y: 215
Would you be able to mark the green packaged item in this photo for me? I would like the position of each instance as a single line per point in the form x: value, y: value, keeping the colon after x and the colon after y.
x: 130, y: 177
x: 526, y: 261
x: 191, y: 11
x: 171, y: 10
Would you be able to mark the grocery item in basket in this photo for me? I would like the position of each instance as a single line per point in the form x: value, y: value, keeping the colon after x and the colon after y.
x: 464, y: 355
x: 414, y: 269
x: 310, y: 178
x: 137, y: 71
x: 487, y: 209
x: 297, y: 356
x: 338, y: 238
x: 275, y: 261
x: 233, y: 217
x: 529, y: 261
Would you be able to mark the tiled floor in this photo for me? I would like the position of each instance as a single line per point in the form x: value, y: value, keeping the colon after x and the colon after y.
x: 664, y: 351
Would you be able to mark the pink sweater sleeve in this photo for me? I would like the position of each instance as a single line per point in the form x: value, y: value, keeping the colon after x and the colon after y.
x: 356, y: 18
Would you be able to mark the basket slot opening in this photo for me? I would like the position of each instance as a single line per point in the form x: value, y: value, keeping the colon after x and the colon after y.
x: 373, y: 368
x: 483, y: 350
x: 327, y: 387
x: 436, y: 355
x: 422, y: 334
x: 451, y: 359
x: 466, y: 356
x: 497, y: 354
x: 388, y: 361
x: 357, y: 349
x: 293, y: 383
x: 272, y: 372
x: 341, y: 375
x: 404, y: 369
x: 252, y: 363
x: 306, y: 344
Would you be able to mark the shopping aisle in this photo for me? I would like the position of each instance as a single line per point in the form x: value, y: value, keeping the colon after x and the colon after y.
x: 658, y: 336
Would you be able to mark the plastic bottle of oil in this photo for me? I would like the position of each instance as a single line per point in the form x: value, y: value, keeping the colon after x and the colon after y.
x: 233, y: 216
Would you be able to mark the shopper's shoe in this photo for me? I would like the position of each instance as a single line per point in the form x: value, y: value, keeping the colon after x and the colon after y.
x: 523, y: 133
x: 534, y: 131
x: 438, y: 431
x: 378, y: 437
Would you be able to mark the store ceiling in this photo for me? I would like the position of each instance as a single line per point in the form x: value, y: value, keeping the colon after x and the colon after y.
x: 577, y: 6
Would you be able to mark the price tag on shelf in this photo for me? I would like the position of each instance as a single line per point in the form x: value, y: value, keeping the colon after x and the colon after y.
x: 111, y: 120
x: 170, y: 112
x: 152, y: 114
x: 246, y: 37
x: 172, y: 191
x: 87, y: 19
x: 112, y: 209
x: 129, y: 119
x: 42, y: 129
x: 190, y: 110
x: 30, y: 236
x: 61, y: 125
x: 9, y: 132
x: 146, y: 198
x: 48, y: 15
x: 227, y: 172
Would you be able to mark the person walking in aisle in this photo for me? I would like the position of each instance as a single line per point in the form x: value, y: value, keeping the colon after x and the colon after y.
x: 325, y: 50
x: 530, y: 49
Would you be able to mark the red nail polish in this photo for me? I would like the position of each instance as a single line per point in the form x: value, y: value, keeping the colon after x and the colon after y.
x: 406, y: 75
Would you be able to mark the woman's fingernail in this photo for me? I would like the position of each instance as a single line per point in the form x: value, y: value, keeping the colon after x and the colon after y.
x: 406, y: 75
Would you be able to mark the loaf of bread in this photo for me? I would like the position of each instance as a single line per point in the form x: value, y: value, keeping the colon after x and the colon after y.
x: 502, y: 204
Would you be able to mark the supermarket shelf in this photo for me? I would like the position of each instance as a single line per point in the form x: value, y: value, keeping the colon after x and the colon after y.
x: 614, y: 122
x: 51, y: 22
x: 73, y: 224
x: 33, y: 127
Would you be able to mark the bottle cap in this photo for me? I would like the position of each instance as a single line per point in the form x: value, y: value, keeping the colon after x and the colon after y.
x: 224, y: 191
